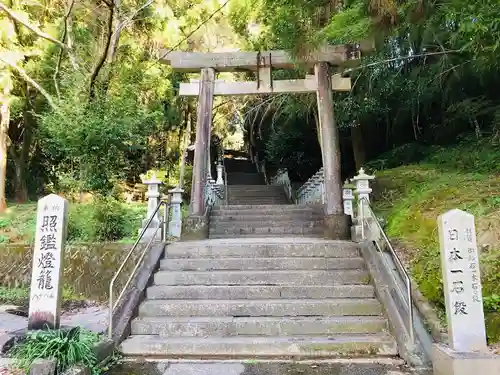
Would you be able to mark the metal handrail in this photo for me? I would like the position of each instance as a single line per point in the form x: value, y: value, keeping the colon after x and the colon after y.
x: 365, y: 203
x: 225, y: 179
x: 120, y: 269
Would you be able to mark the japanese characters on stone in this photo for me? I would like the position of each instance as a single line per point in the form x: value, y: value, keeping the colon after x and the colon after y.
x: 47, y: 262
x: 461, y: 281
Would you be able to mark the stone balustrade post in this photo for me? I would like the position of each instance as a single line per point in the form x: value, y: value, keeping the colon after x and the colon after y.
x: 153, y: 196
x: 175, y: 224
x: 366, y: 226
x: 348, y: 196
x: 220, y: 170
x: 363, y: 189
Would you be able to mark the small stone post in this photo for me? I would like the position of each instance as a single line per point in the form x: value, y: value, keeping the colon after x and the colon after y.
x: 48, y: 256
x: 363, y: 190
x: 466, y: 352
x: 220, y: 170
x: 348, y: 196
x: 175, y: 225
x: 153, y: 195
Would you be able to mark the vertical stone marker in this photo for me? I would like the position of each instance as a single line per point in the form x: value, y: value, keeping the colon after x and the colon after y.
x: 462, y: 281
x: 46, y: 286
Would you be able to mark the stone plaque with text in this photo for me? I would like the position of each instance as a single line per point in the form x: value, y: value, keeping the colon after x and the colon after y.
x: 462, y: 281
x: 46, y: 273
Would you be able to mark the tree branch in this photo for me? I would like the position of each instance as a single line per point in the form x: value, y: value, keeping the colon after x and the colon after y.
x: 31, y: 81
x: 400, y: 58
x: 34, y: 29
x: 71, y: 3
x: 104, y: 55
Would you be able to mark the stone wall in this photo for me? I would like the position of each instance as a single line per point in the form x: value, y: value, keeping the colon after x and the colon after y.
x: 88, y: 268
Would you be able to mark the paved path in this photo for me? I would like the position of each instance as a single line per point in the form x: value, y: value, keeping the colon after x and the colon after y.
x: 93, y: 318
x: 345, y: 367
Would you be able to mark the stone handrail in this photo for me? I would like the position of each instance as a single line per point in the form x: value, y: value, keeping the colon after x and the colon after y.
x: 214, y: 194
x: 313, y: 191
x: 282, y: 179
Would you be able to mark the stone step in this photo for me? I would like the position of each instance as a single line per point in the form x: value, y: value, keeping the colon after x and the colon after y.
x: 261, y: 187
x: 241, y: 201
x: 263, y: 248
x: 274, y: 193
x: 276, y: 308
x: 265, y: 223
x: 226, y: 236
x: 249, y: 347
x: 267, y: 229
x: 262, y: 326
x: 279, y: 277
x: 289, y: 216
x: 229, y: 292
x: 263, y: 209
x: 297, y: 263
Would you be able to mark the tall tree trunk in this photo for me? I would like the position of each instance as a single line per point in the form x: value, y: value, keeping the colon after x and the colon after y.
x: 4, y: 128
x: 22, y: 157
x: 358, y: 146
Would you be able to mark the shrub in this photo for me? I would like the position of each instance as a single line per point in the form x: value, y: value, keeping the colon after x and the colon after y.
x: 104, y: 219
x: 69, y: 347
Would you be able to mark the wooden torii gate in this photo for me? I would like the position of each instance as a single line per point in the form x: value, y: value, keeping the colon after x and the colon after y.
x: 262, y: 63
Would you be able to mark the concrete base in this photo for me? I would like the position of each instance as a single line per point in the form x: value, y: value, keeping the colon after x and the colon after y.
x: 449, y: 362
x: 194, y: 228
x: 125, y: 309
x: 150, y: 232
x: 43, y: 367
x: 337, y: 227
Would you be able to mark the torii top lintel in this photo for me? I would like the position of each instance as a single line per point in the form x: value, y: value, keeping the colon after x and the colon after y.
x: 243, y: 60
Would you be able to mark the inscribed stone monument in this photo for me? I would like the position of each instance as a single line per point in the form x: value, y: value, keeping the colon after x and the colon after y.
x: 462, y: 281
x: 46, y: 273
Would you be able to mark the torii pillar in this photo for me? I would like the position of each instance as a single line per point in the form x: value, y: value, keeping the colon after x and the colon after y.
x: 337, y: 225
x: 203, y: 124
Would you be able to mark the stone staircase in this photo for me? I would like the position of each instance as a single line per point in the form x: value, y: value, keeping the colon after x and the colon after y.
x: 269, y: 297
x: 263, y: 286
x: 266, y: 221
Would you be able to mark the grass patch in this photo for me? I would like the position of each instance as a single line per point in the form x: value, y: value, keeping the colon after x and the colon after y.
x: 412, y: 197
x: 20, y: 296
x: 68, y: 347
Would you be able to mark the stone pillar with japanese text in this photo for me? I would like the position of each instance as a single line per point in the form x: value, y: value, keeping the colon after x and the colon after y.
x: 466, y: 352
x: 462, y: 281
x: 48, y: 255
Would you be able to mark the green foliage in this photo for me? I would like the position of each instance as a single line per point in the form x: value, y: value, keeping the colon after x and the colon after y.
x: 68, y: 347
x: 412, y: 197
x: 93, y: 141
x: 104, y: 219
x: 492, y: 303
x: 296, y: 148
x: 20, y: 296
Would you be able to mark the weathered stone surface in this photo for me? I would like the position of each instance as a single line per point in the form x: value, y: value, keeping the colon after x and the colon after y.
x: 77, y: 370
x: 43, y: 367
x: 261, y: 326
x: 276, y: 297
x: 283, y: 307
x: 337, y: 227
x: 103, y: 350
x: 281, y: 277
x: 263, y: 247
x: 262, y: 292
x: 353, y: 366
x: 194, y: 228
x: 304, y: 346
x: 124, y: 310
x: 298, y: 263
x: 448, y: 362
